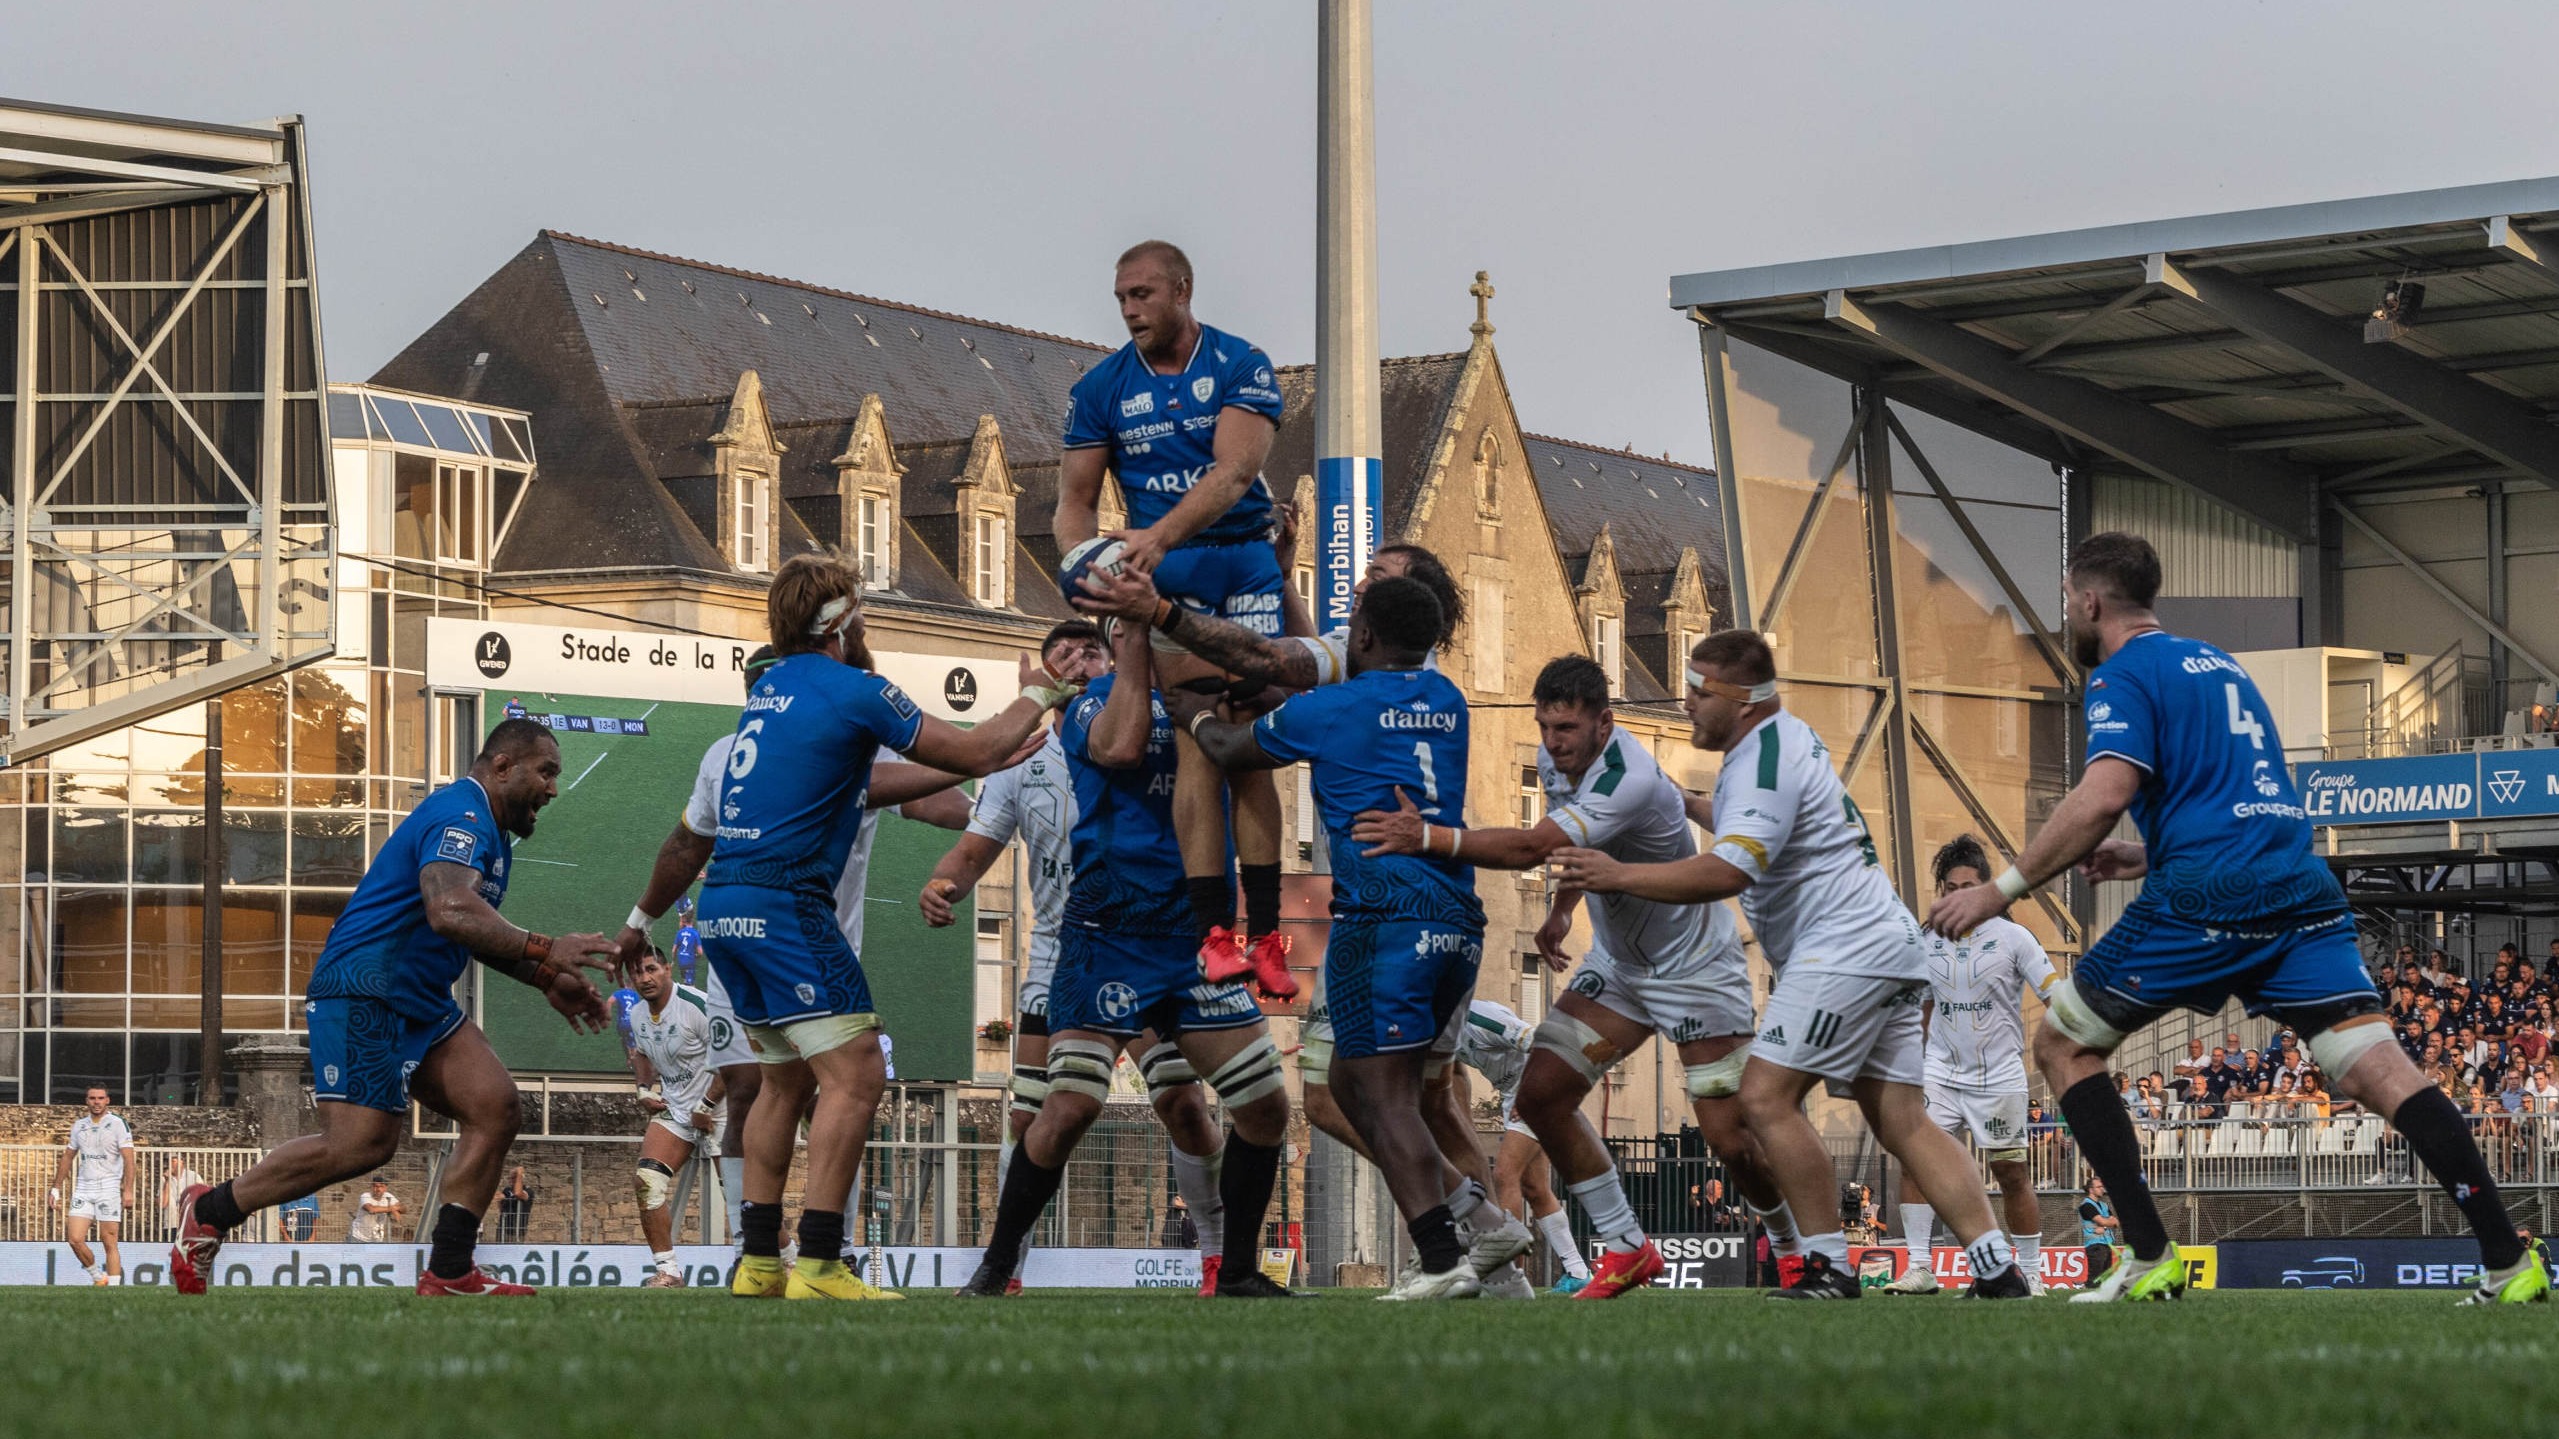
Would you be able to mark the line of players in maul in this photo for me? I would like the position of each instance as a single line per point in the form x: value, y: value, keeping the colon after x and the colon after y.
x: 1199, y: 676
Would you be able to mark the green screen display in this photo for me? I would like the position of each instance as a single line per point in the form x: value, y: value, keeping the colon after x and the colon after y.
x: 589, y: 858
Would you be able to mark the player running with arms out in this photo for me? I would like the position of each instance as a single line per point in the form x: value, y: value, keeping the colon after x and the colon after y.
x: 1035, y: 801
x: 792, y: 803
x: 671, y: 1027
x: 914, y: 791
x: 1672, y: 969
x: 1184, y: 415
x: 1977, y: 1065
x: 1408, y: 932
x: 1851, y: 975
x: 2233, y: 902
x: 384, y: 1025
x: 98, y: 1168
x: 1127, y: 965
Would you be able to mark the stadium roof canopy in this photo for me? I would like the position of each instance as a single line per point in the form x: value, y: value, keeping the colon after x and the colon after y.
x: 2239, y: 354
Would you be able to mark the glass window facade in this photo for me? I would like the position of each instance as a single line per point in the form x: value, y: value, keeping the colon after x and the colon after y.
x: 102, y: 934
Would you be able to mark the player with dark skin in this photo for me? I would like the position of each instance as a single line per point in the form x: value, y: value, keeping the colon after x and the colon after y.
x: 461, y: 1078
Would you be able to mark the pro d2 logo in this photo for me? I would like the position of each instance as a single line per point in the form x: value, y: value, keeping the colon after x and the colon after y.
x: 492, y: 655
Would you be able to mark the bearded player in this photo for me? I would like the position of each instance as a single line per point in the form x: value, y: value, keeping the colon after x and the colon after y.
x: 1667, y: 969
x: 384, y: 1025
x: 914, y: 791
x: 671, y: 1027
x: 2233, y: 902
x: 1977, y: 1065
x: 1851, y: 976
x: 1184, y: 415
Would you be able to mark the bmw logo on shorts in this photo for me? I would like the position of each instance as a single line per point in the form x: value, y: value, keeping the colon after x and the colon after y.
x: 1116, y: 999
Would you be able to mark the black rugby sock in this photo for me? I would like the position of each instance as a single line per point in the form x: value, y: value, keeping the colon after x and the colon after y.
x: 457, y: 1233
x: 821, y: 1234
x: 1212, y: 902
x: 2439, y: 1136
x: 2107, y: 1140
x: 1245, y: 1185
x: 1434, y: 1233
x: 1261, y: 898
x: 217, y: 1208
x: 1028, y: 1187
x: 759, y: 1228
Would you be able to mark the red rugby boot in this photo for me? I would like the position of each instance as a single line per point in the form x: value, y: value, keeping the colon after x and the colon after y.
x: 475, y: 1285
x: 1268, y: 959
x: 191, y: 1258
x: 1619, y: 1271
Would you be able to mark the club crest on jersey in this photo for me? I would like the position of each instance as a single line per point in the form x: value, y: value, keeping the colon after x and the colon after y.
x: 1135, y: 405
x: 1202, y: 388
x: 806, y: 992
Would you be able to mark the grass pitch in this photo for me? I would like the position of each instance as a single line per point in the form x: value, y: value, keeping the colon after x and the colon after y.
x: 1062, y: 1363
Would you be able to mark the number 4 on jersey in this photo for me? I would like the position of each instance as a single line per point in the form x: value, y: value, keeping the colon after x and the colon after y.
x: 2241, y: 721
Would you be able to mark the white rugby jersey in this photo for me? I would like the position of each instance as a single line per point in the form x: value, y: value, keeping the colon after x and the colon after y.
x: 1035, y: 800
x: 97, y: 1148
x: 702, y: 816
x: 1494, y: 1043
x: 1626, y: 808
x: 1977, y: 1030
x: 1817, y: 895
x: 677, y: 1040
x: 1332, y: 652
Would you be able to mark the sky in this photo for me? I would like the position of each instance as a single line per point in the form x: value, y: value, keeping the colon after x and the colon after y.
x: 993, y: 157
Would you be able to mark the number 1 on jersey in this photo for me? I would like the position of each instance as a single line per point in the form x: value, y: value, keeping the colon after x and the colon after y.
x: 2241, y: 721
x: 1430, y: 776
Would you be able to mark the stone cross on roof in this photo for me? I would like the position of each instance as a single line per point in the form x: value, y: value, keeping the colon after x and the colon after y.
x: 1482, y: 290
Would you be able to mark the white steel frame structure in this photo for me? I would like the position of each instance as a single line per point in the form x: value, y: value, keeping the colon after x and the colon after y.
x: 165, y: 498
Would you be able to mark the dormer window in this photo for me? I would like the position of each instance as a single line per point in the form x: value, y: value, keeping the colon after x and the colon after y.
x: 751, y: 522
x: 871, y: 539
x: 988, y: 572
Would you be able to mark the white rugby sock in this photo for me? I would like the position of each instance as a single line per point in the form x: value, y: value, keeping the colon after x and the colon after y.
x: 733, y: 1189
x: 1783, y: 1238
x: 1918, y: 1225
x: 1466, y: 1198
x: 1557, y: 1230
x: 1833, y: 1246
x: 1989, y: 1254
x: 665, y: 1259
x: 1604, y: 1200
x: 2030, y: 1254
x: 1195, y: 1178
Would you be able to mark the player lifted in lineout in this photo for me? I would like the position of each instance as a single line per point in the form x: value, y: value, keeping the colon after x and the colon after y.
x: 1669, y: 969
x: 384, y: 1025
x: 99, y: 1169
x: 1184, y: 414
x: 792, y: 803
x: 1408, y: 931
x: 671, y: 1028
x: 2233, y: 902
x: 1851, y: 976
x: 1127, y: 964
x: 1035, y: 801
x: 1977, y: 1066
x: 914, y: 791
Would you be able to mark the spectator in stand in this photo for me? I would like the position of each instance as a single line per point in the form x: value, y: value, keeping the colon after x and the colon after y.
x: 1719, y: 1214
x: 2098, y: 1227
x: 2412, y: 1039
x: 2254, y: 1075
x: 179, y: 1177
x: 299, y: 1219
x: 377, y: 1214
x: 2219, y: 1080
x: 2437, y: 972
x: 2472, y: 1051
x: 2544, y: 1085
x: 2189, y: 1071
x: 1180, y: 1232
x: 2315, y: 1101
x: 515, y: 1207
x: 2124, y: 1087
x: 2287, y: 1058
x: 2146, y: 1105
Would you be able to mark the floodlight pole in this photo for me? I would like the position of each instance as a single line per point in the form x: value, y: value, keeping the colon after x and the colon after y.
x: 1350, y: 465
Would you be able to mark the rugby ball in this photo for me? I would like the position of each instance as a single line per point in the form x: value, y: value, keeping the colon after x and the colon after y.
x: 1099, y: 555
